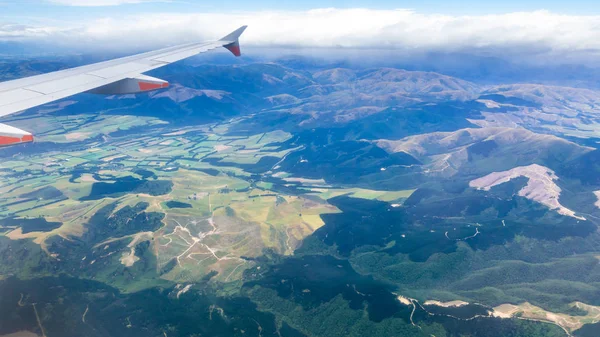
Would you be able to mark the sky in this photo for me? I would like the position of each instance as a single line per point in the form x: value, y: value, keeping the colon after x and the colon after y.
x: 43, y: 8
x: 531, y: 27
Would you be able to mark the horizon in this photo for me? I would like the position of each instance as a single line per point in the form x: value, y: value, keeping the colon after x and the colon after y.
x: 526, y: 29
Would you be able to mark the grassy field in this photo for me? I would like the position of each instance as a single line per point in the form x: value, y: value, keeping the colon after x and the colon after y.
x: 230, y: 216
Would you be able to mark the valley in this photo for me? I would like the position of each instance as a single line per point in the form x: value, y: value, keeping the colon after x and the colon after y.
x: 263, y: 198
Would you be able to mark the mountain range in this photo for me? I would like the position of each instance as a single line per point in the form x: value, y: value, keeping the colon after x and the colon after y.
x: 306, y: 197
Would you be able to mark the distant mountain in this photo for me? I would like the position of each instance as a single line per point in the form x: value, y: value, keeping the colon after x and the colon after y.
x: 342, y: 95
x: 180, y: 94
x: 336, y: 95
x: 335, y: 76
x: 561, y: 100
x: 481, y: 68
x: 485, y: 150
x: 389, y: 81
x: 562, y: 111
x: 416, y: 84
x: 262, y: 79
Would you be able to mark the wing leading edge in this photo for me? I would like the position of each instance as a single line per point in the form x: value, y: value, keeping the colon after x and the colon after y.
x: 118, y: 76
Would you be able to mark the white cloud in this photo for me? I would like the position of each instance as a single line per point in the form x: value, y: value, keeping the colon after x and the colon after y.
x: 16, y: 31
x: 356, y: 28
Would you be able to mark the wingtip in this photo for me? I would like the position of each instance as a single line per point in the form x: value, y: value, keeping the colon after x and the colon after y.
x: 233, y: 41
x: 235, y: 35
x: 234, y: 48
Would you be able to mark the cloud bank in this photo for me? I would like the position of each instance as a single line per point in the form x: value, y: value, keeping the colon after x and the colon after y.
x: 540, y: 32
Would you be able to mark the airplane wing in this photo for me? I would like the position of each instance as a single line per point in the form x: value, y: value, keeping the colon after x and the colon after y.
x: 119, y: 76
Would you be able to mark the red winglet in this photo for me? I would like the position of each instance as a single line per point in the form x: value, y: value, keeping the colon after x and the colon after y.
x: 233, y: 40
x: 234, y: 48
